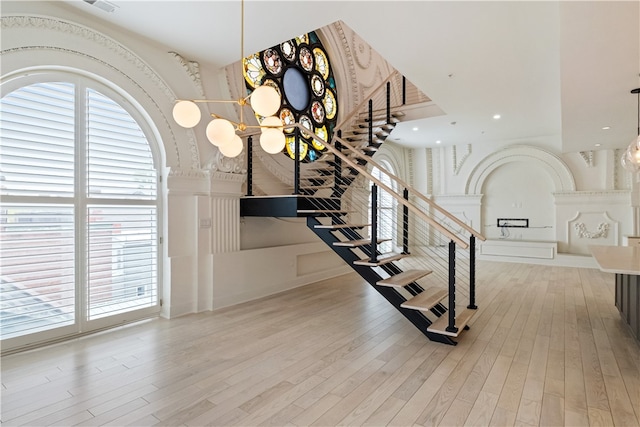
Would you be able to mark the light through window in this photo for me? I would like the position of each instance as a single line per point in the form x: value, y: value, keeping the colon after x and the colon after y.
x: 78, y: 215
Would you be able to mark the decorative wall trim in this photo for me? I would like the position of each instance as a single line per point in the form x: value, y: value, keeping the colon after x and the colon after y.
x: 583, y: 222
x: 587, y: 156
x: 582, y: 232
x: 193, y: 70
x: 589, y: 197
x: 558, y: 171
x: 225, y: 231
x: 457, y: 164
x: 37, y: 22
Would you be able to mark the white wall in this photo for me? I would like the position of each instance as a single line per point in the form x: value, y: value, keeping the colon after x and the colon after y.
x: 201, y: 189
x: 566, y: 197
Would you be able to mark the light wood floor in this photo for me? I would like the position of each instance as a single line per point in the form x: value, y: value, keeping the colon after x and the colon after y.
x: 546, y: 347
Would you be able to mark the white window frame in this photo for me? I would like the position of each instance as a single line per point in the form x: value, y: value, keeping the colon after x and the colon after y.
x: 80, y: 202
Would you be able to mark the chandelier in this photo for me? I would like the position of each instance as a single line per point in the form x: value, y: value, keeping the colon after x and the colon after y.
x: 631, y: 157
x: 223, y: 133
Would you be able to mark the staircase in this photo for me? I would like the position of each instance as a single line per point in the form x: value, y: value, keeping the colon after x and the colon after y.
x: 415, y: 254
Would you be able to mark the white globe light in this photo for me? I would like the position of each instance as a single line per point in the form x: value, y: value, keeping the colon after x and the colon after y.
x: 272, y: 122
x: 265, y: 100
x: 220, y: 132
x: 232, y: 148
x: 186, y: 113
x: 272, y: 141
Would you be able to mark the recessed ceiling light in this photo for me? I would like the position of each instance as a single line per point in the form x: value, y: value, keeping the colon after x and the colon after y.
x: 598, y: 145
x: 438, y: 142
x: 606, y: 127
x: 496, y: 116
x: 414, y: 129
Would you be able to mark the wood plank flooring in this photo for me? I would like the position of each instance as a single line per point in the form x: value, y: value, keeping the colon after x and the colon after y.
x: 546, y: 347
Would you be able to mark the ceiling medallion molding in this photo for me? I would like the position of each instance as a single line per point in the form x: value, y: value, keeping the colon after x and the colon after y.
x: 24, y: 21
x: 192, y: 69
x: 457, y: 165
x: 587, y: 156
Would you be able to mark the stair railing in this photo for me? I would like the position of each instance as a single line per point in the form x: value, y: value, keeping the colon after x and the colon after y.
x: 355, y: 201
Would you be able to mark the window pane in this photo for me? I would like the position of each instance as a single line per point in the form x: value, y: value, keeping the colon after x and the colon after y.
x: 37, y: 140
x: 37, y: 268
x: 122, y: 259
x: 119, y: 163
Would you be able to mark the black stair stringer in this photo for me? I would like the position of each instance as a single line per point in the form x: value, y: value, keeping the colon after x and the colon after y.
x: 418, y: 319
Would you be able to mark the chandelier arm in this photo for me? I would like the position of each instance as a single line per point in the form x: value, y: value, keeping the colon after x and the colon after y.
x: 211, y: 101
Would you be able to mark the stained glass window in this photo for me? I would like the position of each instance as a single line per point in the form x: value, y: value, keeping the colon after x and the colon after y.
x: 300, y: 71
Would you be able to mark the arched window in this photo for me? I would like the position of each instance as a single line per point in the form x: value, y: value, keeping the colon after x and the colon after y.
x: 387, y: 207
x: 79, y: 209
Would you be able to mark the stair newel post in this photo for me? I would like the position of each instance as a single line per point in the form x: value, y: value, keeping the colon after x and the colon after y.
x: 296, y: 164
x: 405, y: 223
x: 472, y: 273
x: 371, y: 122
x: 250, y: 166
x: 404, y: 90
x: 388, y: 103
x: 452, y: 288
x: 374, y: 223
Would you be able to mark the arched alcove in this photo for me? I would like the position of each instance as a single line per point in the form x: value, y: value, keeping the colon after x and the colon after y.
x: 555, y: 168
x: 518, y: 190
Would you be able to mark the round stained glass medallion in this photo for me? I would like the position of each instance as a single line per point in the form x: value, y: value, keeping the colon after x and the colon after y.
x: 300, y: 71
x: 306, y: 59
x: 288, y: 50
x: 272, y: 61
x: 317, y: 85
x: 317, y: 112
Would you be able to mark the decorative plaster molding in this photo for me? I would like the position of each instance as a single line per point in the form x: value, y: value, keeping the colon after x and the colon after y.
x: 622, y: 179
x: 582, y: 232
x: 25, y: 21
x: 193, y: 70
x: 347, y: 57
x: 226, y: 177
x: 587, y: 156
x: 576, y: 242
x: 363, y: 55
x: 582, y: 197
x: 457, y: 165
x: 188, y: 173
x: 558, y: 171
x: 221, y: 163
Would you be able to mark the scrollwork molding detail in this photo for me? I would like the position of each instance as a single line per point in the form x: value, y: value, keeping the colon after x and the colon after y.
x: 582, y: 232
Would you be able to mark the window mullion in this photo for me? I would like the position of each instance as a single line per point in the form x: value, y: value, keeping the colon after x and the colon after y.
x: 81, y: 205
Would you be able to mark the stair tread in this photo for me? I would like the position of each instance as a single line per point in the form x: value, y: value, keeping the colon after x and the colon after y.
x: 323, y: 211
x: 339, y: 226
x: 382, y: 259
x: 402, y: 279
x: 440, y: 325
x: 426, y: 299
x: 355, y: 243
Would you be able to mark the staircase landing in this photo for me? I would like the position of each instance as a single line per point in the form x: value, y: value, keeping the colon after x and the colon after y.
x: 285, y: 206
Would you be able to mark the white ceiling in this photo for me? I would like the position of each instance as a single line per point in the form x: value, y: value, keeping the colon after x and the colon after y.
x: 554, y: 71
